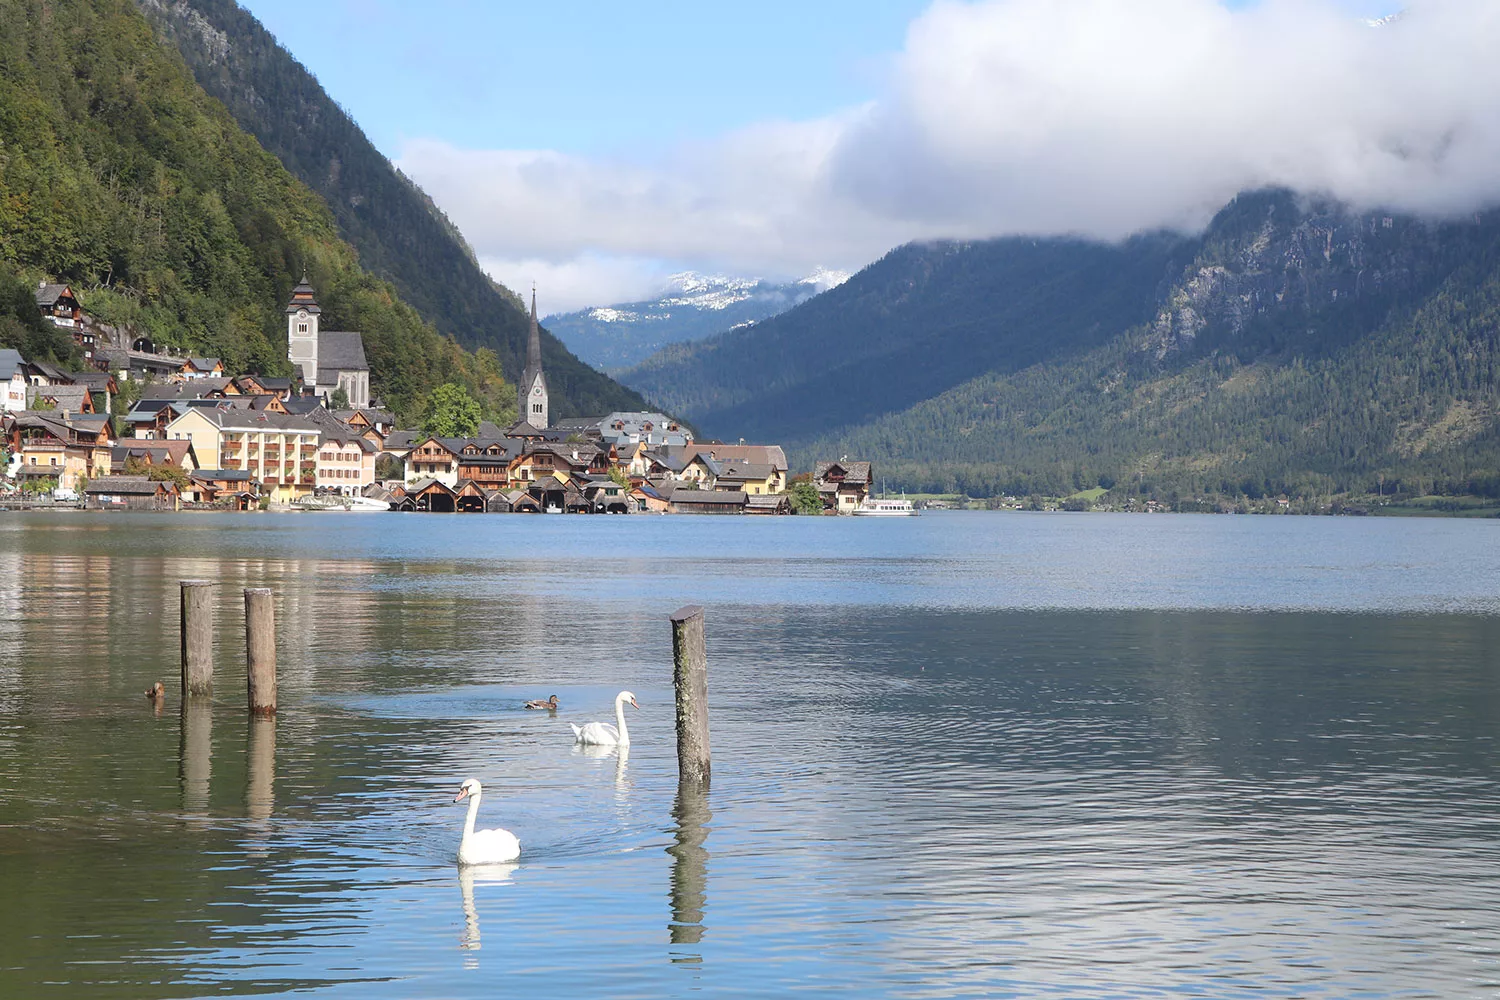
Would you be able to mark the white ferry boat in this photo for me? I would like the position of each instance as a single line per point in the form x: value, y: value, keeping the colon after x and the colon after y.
x: 885, y: 508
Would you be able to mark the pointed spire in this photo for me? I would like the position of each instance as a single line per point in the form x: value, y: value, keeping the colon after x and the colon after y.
x: 534, y: 338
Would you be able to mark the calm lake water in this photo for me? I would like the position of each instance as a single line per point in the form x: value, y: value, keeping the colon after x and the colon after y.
x: 964, y: 754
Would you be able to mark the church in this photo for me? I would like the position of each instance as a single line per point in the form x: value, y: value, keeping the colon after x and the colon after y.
x: 531, y: 391
x: 328, y: 360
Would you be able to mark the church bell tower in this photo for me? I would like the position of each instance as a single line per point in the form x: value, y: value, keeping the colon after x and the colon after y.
x: 531, y: 392
x: 302, y: 314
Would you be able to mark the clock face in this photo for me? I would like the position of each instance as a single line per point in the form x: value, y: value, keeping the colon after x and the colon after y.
x: 536, y: 390
x: 302, y: 314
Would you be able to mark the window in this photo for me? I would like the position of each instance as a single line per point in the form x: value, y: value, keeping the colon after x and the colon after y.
x: 301, y: 327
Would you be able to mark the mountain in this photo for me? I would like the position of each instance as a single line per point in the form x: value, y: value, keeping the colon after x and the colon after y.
x: 122, y: 177
x: 400, y: 234
x: 922, y: 319
x: 691, y: 307
x: 1296, y: 346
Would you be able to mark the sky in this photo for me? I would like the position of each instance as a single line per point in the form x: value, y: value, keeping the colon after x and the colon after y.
x: 595, y: 148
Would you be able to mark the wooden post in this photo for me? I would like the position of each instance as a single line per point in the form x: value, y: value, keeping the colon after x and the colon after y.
x: 260, y: 650
x: 690, y: 678
x: 197, y: 639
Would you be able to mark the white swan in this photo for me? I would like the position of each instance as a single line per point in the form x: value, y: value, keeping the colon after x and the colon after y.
x: 602, y: 733
x: 483, y: 847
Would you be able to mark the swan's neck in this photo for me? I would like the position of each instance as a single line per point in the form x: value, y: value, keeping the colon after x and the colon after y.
x: 469, y: 820
x: 620, y: 721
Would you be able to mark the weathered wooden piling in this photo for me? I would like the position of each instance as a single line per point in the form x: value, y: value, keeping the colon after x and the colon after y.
x: 197, y: 638
x: 690, y: 678
x: 260, y: 650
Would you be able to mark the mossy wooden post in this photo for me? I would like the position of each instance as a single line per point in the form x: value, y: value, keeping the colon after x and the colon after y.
x: 260, y: 650
x: 197, y: 639
x: 690, y: 678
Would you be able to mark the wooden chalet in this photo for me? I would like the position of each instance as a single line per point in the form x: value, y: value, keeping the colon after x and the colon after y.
x: 842, y: 485
x: 541, y: 460
x: 707, y: 502
x: 470, y: 498
x: 195, y: 368
x: 130, y: 493
x: 485, y: 463
x: 66, y: 398
x: 560, y: 493
x: 235, y: 488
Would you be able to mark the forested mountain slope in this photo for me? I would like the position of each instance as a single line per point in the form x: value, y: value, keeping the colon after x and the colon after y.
x: 119, y: 175
x: 1296, y: 347
x: 399, y: 234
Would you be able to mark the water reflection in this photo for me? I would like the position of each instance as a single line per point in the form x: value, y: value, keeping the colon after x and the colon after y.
x: 195, y: 752
x: 260, y: 777
x: 468, y: 877
x: 689, y: 866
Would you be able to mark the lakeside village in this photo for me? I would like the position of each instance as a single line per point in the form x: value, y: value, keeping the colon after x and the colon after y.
x: 198, y: 438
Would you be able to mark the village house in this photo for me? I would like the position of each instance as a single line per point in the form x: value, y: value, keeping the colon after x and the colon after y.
x: 486, y: 464
x: 279, y: 450
x: 196, y: 368
x: 434, y: 458
x: 60, y: 445
x: 234, y: 488
x: 263, y: 385
x: 346, y: 463
x: 750, y: 479
x: 842, y: 485
x: 655, y: 430
x: 545, y: 459
x: 14, y: 381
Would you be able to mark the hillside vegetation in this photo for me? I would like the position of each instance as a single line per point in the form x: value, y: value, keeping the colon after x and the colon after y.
x: 1294, y: 347
x: 400, y: 235
x: 119, y: 175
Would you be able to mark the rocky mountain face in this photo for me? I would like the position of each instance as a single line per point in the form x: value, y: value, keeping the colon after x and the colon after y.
x: 691, y: 307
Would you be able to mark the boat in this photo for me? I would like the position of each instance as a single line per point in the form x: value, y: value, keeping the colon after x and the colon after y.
x: 343, y: 503
x: 885, y: 508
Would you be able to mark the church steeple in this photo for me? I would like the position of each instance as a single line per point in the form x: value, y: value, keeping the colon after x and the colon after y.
x: 531, y: 403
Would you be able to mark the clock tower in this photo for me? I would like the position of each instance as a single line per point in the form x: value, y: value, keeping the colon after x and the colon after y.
x: 302, y: 314
x: 531, y: 393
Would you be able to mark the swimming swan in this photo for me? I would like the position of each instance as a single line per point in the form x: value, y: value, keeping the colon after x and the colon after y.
x: 483, y: 847
x: 602, y: 733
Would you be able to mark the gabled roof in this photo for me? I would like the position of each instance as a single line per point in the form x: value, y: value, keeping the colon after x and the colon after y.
x: 741, y: 472
x: 10, y: 363
x: 47, y: 295
x: 341, y: 351
x: 129, y: 486
x: 757, y: 454
x: 301, y: 405
x: 221, y: 476
x: 204, y: 364
x: 64, y: 397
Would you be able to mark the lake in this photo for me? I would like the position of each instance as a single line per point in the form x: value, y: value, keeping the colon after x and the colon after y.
x: 967, y: 754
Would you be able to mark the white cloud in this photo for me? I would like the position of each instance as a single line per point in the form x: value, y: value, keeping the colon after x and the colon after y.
x: 1098, y: 117
x: 576, y: 281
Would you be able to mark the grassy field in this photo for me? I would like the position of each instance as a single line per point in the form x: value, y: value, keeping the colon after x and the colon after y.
x: 1432, y: 506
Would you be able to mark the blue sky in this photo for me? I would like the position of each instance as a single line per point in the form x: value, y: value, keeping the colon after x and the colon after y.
x: 597, y: 147
x: 586, y: 77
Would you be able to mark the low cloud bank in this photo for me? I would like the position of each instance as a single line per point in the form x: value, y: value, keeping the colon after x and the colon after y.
x: 1096, y: 117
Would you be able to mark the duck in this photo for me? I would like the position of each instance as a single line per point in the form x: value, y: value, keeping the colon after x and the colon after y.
x: 483, y: 847
x: 602, y: 733
x: 550, y: 704
x: 156, y: 692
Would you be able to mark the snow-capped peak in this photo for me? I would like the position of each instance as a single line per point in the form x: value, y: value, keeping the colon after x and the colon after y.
x: 824, y: 278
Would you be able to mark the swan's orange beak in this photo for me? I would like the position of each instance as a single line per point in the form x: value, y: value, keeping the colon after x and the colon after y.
x: 463, y: 793
x: 633, y: 704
